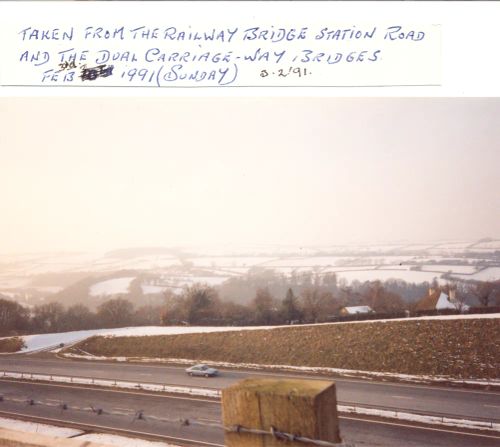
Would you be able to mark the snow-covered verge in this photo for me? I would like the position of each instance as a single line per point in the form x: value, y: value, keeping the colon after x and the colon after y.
x: 41, y: 429
x: 193, y: 391
x: 121, y: 441
x: 53, y: 341
x: 424, y: 419
x: 63, y: 432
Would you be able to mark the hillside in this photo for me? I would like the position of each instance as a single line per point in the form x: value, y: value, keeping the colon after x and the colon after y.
x: 237, y: 272
x: 460, y: 348
x: 11, y: 344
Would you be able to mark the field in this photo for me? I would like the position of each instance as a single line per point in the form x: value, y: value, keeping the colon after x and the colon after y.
x: 459, y: 348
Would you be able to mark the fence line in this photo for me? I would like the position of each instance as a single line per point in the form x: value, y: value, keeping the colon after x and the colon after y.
x: 178, y: 389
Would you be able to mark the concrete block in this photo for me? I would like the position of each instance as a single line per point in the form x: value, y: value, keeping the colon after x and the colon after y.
x: 300, y: 407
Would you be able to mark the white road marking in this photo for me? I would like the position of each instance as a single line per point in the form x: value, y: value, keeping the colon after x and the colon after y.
x: 491, y: 406
x: 403, y: 397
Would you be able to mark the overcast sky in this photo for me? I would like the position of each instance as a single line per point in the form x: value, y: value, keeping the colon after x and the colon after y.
x: 104, y: 173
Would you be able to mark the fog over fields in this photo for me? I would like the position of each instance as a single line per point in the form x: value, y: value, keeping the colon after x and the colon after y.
x: 35, y: 278
x: 156, y: 194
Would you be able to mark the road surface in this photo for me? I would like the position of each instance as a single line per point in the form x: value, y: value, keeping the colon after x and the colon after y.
x: 120, y: 411
x: 456, y: 402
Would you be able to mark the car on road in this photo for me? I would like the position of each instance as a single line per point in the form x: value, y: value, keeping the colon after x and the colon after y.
x: 202, y: 370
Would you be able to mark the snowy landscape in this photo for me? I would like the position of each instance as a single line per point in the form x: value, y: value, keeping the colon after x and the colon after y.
x: 34, y: 278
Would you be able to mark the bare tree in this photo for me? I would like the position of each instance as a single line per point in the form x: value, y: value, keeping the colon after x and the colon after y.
x: 116, y: 312
x: 483, y: 291
x: 201, y: 304
x: 173, y: 311
x: 382, y: 300
x: 148, y: 314
x: 290, y: 307
x: 14, y: 318
x: 48, y: 317
x: 315, y: 304
x: 78, y: 317
x: 264, y: 307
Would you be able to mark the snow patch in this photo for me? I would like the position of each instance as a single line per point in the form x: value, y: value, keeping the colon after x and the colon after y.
x: 465, y: 269
x: 121, y: 441
x: 62, y: 432
x: 111, y: 286
x: 193, y: 391
x: 410, y: 276
x: 42, y: 429
x: 406, y: 416
x: 488, y: 274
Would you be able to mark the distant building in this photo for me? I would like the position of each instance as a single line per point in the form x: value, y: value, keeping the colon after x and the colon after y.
x: 439, y: 300
x: 353, y: 310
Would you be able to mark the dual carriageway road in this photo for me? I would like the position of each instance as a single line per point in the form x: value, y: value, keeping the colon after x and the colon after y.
x: 160, y: 409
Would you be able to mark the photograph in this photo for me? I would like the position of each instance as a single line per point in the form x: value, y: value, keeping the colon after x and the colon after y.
x: 249, y: 270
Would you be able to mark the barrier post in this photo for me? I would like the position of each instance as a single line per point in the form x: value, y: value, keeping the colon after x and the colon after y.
x: 299, y: 407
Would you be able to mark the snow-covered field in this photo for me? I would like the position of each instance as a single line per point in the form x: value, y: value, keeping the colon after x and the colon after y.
x: 454, y: 245
x: 303, y: 262
x: 229, y: 261
x: 190, y: 280
x: 490, y: 245
x: 340, y: 261
x: 111, y: 286
x: 185, y: 266
x: 466, y: 269
x: 488, y: 274
x: 409, y: 276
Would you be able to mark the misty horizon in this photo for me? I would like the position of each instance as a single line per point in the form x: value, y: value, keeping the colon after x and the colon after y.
x: 381, y: 246
x: 88, y: 174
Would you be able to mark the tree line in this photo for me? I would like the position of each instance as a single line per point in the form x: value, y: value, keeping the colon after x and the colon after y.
x: 313, y: 303
x: 313, y: 300
x: 16, y: 319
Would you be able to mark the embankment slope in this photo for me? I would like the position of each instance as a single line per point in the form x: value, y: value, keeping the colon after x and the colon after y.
x: 456, y: 348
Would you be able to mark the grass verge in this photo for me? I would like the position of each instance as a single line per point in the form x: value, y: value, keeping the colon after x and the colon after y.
x: 11, y: 344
